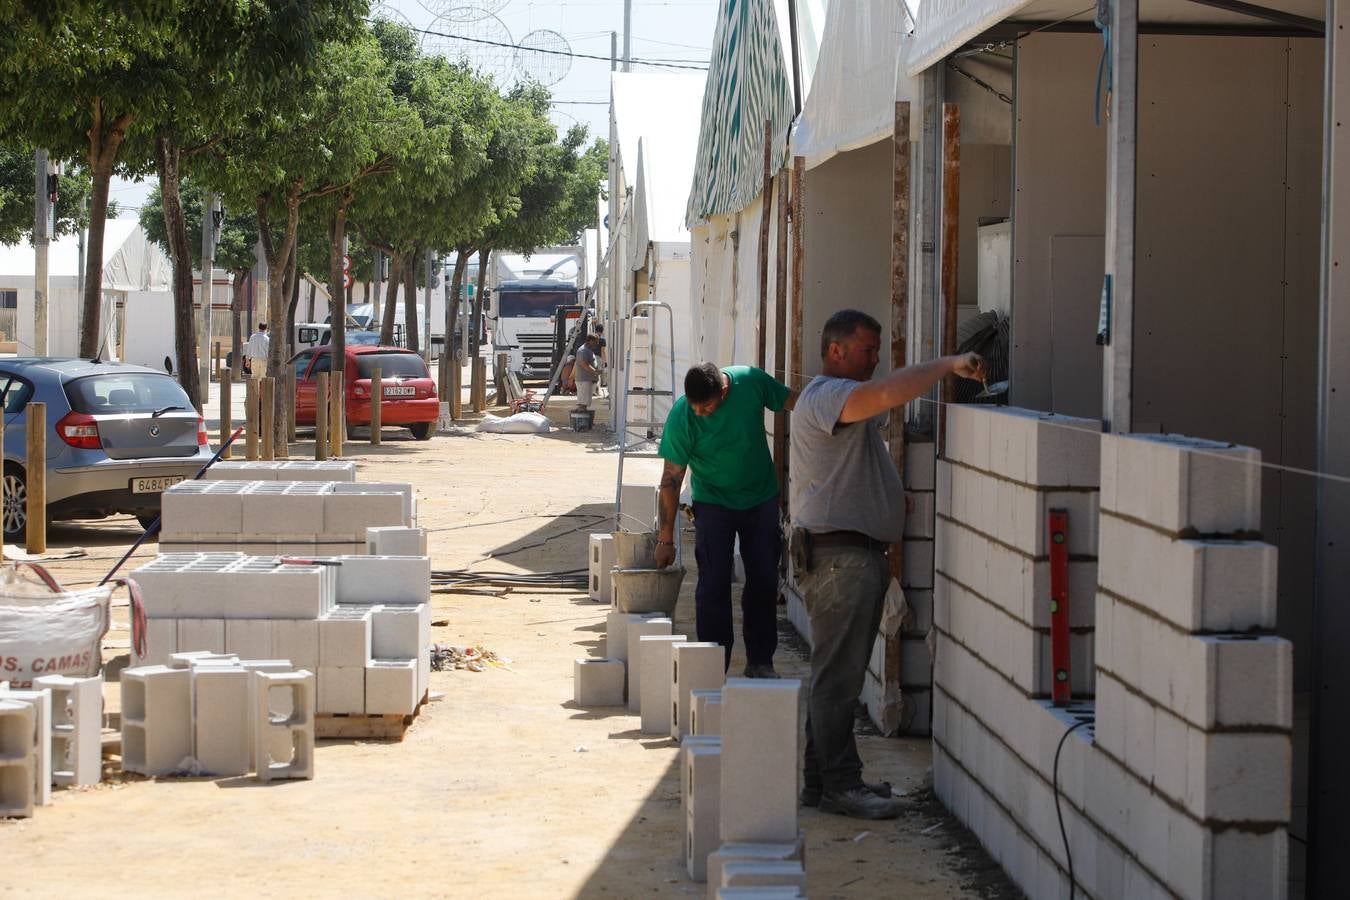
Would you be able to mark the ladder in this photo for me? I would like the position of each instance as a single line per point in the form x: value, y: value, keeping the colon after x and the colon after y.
x: 644, y: 447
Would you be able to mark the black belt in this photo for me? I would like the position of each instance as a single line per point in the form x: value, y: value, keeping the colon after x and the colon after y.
x: 848, y: 539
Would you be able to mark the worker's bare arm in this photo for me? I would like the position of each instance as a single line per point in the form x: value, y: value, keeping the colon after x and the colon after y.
x: 897, y: 388
x: 791, y: 400
x: 668, y: 501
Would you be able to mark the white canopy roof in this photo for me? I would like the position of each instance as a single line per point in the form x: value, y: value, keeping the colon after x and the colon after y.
x: 946, y: 25
x: 859, y: 76
x: 131, y: 262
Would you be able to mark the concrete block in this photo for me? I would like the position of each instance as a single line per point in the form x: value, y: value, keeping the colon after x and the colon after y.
x: 702, y: 763
x: 920, y: 462
x: 758, y: 893
x: 379, y: 488
x: 222, y: 720
x: 353, y: 513
x: 329, y: 470
x: 284, y: 715
x: 639, y: 628
x: 391, y: 687
x: 193, y: 511
x: 616, y: 635
x: 272, y: 508
x: 760, y: 851
x: 638, y: 502
x: 40, y: 699
x: 344, y: 641
x: 597, y: 682
x: 917, y: 571
x: 250, y: 638
x: 918, y: 619
x: 1179, y: 483
x: 1245, y: 864
x: 1253, y: 681
x: 919, y: 514
x: 341, y: 689
x: 201, y: 634
x: 396, y: 540
x: 1237, y: 776
x: 396, y: 631
x: 694, y: 666
x: 656, y: 654
x: 161, y: 640
x: 749, y: 873
x: 599, y: 560
x: 77, y: 724
x: 18, y: 729
x: 389, y: 580
x: 298, y: 641
x: 942, y: 496
x: 759, y: 761
x: 705, y: 717
x: 156, y: 719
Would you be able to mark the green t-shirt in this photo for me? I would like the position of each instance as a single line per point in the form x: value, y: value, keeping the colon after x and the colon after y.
x: 727, y: 451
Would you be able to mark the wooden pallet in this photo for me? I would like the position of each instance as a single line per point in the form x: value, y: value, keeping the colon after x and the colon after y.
x: 344, y: 726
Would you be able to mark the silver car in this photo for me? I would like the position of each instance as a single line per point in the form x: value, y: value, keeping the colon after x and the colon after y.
x: 117, y: 436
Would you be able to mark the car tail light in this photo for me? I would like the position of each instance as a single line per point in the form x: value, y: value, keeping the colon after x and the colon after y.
x: 80, y: 431
x: 359, y: 390
x: 202, y: 439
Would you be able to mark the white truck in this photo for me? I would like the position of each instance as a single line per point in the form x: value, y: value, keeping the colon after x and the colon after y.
x: 526, y: 293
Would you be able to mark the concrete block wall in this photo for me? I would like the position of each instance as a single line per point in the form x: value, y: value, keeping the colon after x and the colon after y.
x: 18, y: 727
x: 1175, y: 779
x: 77, y: 725
x: 282, y: 470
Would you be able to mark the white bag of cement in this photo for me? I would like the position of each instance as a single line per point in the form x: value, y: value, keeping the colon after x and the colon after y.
x: 520, y: 423
x: 47, y: 630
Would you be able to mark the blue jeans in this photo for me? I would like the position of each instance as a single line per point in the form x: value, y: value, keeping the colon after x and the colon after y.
x: 715, y: 531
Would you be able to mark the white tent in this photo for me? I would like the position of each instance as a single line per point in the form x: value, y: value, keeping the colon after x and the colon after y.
x: 135, y: 271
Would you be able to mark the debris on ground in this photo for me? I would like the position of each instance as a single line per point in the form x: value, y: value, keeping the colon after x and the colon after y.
x: 476, y: 659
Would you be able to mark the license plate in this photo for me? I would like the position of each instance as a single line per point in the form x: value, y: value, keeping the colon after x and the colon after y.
x: 156, y: 485
x: 400, y: 391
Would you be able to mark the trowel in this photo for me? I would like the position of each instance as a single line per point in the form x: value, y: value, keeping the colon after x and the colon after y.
x: 992, y: 390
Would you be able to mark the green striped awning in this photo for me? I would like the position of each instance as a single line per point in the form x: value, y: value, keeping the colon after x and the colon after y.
x: 748, y: 82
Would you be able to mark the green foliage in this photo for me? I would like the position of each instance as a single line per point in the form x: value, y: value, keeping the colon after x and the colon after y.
x: 238, y: 231
x: 16, y: 197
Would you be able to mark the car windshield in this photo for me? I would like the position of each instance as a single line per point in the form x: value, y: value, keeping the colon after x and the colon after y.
x: 532, y: 304
x: 391, y: 365
x: 363, y: 337
x: 125, y: 392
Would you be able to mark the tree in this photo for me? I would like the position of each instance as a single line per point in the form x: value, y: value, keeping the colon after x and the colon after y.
x: 17, y: 201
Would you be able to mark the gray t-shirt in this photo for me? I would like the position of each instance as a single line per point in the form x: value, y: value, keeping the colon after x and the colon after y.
x: 842, y: 476
x: 580, y: 374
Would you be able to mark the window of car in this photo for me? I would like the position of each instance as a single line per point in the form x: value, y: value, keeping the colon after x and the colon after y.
x: 125, y: 392
x: 301, y: 362
x: 391, y: 365
x: 323, y: 364
x: 16, y: 391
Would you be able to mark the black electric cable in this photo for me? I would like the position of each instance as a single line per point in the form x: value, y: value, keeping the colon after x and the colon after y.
x: 1059, y: 813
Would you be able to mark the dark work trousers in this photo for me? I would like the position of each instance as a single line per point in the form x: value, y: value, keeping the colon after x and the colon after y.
x: 844, y: 594
x: 715, y: 531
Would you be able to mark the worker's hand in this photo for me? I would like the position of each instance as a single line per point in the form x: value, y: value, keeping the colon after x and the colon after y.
x: 970, y: 365
x: 665, y: 555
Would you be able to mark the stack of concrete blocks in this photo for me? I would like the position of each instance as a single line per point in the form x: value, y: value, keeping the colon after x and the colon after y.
x: 655, y: 659
x: 695, y: 666
x: 215, y: 714
x: 76, y: 728
x: 1180, y: 784
x: 18, y: 739
x: 637, y: 626
x: 758, y: 785
x: 267, y: 518
x: 40, y: 699
x: 599, y: 561
x: 362, y: 625
x: 282, y: 470
x: 700, y: 800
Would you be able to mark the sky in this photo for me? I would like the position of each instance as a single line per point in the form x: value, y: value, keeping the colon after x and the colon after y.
x: 675, y: 31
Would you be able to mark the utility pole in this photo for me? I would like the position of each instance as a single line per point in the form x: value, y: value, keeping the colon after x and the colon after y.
x: 628, y: 35
x: 41, y: 237
x: 210, y: 210
x: 426, y: 311
x: 613, y: 51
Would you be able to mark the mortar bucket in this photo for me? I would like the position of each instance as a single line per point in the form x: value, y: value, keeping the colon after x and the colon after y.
x: 647, y: 590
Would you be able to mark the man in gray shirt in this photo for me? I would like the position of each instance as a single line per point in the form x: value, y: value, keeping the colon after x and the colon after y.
x: 587, y: 371
x: 848, y: 507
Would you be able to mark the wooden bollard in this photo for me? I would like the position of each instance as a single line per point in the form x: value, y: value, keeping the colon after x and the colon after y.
x: 37, y: 478
x: 337, y: 417
x: 251, y: 418
x: 455, y: 388
x: 215, y: 360
x: 376, y: 401
x: 290, y: 403
x: 226, y: 410
x: 321, y: 416
x: 267, y: 417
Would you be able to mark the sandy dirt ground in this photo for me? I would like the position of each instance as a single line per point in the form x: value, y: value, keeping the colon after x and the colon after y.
x: 502, y: 786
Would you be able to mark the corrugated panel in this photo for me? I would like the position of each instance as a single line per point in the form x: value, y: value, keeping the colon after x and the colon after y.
x: 748, y: 82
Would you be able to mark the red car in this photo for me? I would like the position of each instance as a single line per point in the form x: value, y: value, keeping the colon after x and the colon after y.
x: 409, y: 391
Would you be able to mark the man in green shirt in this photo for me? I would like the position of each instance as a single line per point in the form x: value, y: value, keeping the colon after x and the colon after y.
x: 717, y: 429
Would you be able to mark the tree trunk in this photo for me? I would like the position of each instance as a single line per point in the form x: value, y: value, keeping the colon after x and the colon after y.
x: 313, y: 292
x: 293, y: 301
x: 375, y: 290
x: 391, y: 301
x: 336, y: 291
x: 410, y: 329
x: 449, y: 353
x: 167, y: 158
x: 103, y: 149
x: 237, y: 325
x: 478, y: 373
x: 277, y: 259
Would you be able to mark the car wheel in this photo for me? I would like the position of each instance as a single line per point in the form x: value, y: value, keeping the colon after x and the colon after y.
x: 15, y: 510
x: 422, y: 430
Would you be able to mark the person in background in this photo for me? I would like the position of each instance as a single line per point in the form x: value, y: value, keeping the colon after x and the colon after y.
x: 255, y: 351
x: 586, y: 371
x: 848, y: 507
x: 717, y: 430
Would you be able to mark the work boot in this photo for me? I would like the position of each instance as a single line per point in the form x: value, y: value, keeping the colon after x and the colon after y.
x: 760, y: 670
x: 811, y: 794
x: 859, y: 803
